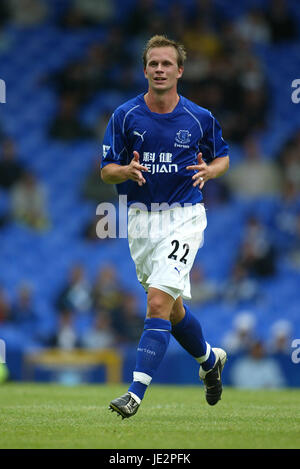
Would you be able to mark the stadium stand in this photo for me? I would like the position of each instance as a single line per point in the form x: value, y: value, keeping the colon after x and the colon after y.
x: 93, y: 66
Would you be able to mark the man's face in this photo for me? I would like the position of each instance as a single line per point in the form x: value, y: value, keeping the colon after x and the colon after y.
x: 162, y: 71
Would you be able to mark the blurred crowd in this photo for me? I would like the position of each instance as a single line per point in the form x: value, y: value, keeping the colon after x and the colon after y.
x: 111, y: 315
x: 224, y: 74
x: 258, y: 364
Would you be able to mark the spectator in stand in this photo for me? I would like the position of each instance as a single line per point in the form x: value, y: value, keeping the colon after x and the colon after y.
x: 203, y: 290
x: 242, y: 336
x: 253, y: 112
x: 207, y: 10
x: 4, y: 12
x: 281, y: 21
x: 141, y: 19
x: 252, y: 77
x: 28, y: 197
x: 86, y: 13
x: 107, y: 293
x: 96, y: 68
x: 101, y: 335
x: 201, y: 37
x: 5, y: 36
x: 23, y: 312
x: 127, y: 320
x: 285, y: 215
x: 257, y: 371
x: 281, y: 338
x: 80, y: 80
x: 77, y: 294
x: 89, y: 233
x: 71, y: 81
x: 66, y: 337
x: 27, y: 13
x: 195, y: 72
x: 11, y: 171
x: 290, y: 162
x: 66, y: 125
x: 95, y: 189
x: 102, y: 124
x: 253, y: 27
x: 117, y: 48
x: 257, y: 253
x: 5, y: 306
x: 294, y: 251
x: 176, y: 21
x: 254, y: 176
x: 240, y: 288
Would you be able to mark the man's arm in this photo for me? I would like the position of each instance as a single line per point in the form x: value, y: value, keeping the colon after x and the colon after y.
x: 115, y: 174
x: 215, y: 169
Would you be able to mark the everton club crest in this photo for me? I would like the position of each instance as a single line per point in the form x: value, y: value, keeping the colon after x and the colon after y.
x: 183, y: 138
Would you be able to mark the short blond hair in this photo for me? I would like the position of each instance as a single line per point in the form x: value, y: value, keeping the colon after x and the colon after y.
x: 163, y: 41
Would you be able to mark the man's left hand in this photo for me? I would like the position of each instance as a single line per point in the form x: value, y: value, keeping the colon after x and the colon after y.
x: 204, y: 172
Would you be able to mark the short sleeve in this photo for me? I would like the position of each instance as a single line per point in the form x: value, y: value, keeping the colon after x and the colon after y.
x: 212, y: 144
x: 114, y: 142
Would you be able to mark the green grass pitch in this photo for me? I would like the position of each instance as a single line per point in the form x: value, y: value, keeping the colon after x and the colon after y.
x: 171, y: 417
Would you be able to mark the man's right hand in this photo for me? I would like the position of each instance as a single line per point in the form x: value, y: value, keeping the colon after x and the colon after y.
x: 134, y: 170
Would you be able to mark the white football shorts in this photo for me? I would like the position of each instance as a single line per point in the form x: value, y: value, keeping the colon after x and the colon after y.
x: 164, y: 244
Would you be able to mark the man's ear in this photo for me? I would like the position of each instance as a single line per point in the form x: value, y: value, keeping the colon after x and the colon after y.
x: 180, y: 72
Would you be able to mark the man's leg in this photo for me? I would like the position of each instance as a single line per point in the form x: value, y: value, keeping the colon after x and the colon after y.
x: 150, y: 352
x: 154, y: 340
x: 187, y: 330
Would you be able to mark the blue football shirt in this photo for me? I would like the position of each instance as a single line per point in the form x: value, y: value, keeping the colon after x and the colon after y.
x: 167, y: 144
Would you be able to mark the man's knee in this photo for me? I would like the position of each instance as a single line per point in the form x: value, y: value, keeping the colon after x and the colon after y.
x: 178, y: 311
x: 159, y: 304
